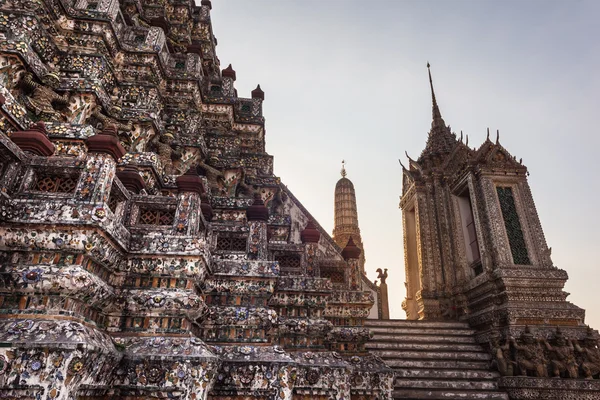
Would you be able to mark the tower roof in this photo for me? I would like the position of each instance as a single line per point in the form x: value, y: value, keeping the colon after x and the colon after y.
x: 440, y: 140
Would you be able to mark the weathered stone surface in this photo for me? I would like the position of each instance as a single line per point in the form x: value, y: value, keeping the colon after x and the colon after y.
x: 526, y: 388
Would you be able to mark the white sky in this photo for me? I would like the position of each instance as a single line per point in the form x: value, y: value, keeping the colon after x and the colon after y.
x: 348, y: 80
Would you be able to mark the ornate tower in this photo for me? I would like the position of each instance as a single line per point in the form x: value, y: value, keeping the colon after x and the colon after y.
x: 346, y: 216
x: 474, y: 246
x: 147, y: 247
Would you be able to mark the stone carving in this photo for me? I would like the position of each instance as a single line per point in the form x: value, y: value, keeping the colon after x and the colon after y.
x: 43, y: 98
x: 590, y: 363
x: 167, y: 151
x: 382, y: 275
x: 213, y: 175
x: 502, y: 358
x: 530, y: 358
x: 242, y: 187
x: 536, y: 357
x: 562, y: 356
x: 105, y: 121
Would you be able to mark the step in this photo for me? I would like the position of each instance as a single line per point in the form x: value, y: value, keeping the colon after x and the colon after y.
x: 424, y: 331
x: 376, y: 345
x: 438, y: 384
x: 438, y: 364
x: 383, y: 337
x: 431, y: 355
x: 432, y: 373
x: 417, y: 394
x: 402, y: 323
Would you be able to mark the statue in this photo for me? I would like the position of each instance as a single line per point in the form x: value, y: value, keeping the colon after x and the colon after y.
x: 382, y: 275
x: 591, y: 355
x: 106, y: 121
x: 213, y: 175
x: 502, y: 360
x: 530, y: 357
x: 243, y: 187
x: 279, y: 199
x: 167, y: 151
x: 562, y: 356
x: 43, y: 97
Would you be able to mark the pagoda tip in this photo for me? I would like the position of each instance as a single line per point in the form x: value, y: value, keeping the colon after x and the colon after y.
x: 258, y: 93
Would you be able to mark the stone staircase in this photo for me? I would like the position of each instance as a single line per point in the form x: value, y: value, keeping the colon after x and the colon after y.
x: 434, y: 360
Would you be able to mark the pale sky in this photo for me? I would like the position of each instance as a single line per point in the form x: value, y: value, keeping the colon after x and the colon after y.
x: 348, y: 80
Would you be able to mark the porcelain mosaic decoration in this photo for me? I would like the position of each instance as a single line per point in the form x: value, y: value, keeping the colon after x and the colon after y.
x: 147, y: 248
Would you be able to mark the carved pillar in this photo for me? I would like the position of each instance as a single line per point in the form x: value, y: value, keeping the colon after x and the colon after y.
x: 310, y: 236
x: 385, y: 306
x: 258, y: 215
x: 429, y: 258
x: 96, y: 179
x: 229, y: 76
x: 258, y: 96
x: 189, y: 214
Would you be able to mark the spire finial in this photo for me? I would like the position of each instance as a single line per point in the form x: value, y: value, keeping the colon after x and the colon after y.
x: 431, y: 84
x: 343, y: 171
x: 438, y: 121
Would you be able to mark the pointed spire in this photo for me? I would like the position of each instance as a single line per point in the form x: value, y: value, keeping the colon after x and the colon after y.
x: 229, y: 72
x: 440, y: 140
x: 310, y: 234
x: 257, y: 211
x: 351, y: 251
x: 258, y: 93
x: 438, y: 121
x: 343, y: 171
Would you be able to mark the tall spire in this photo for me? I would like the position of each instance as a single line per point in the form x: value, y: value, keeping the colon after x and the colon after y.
x: 346, y: 215
x: 438, y: 121
x: 440, y: 140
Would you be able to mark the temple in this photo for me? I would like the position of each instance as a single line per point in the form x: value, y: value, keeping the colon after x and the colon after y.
x: 475, y: 252
x: 148, y: 250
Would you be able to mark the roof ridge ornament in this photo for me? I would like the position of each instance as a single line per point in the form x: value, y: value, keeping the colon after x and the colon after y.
x: 343, y: 171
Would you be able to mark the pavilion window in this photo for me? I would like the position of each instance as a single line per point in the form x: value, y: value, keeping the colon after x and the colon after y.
x: 516, y: 238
